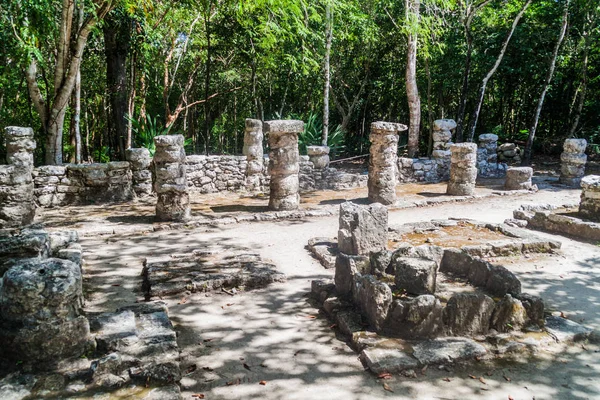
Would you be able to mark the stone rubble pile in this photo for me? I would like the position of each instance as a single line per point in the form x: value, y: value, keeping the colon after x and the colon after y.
x: 140, y: 162
x: 573, y: 160
x: 509, y: 153
x: 253, y: 150
x: 173, y: 201
x: 17, y: 206
x: 284, y: 165
x: 463, y: 169
x: 383, y: 161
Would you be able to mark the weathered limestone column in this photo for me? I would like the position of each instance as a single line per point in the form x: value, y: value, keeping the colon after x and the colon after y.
x: 589, y: 207
x: 442, y: 135
x: 382, y: 161
x: 518, y: 178
x: 253, y: 150
x: 463, y: 169
x: 173, y: 202
x: 319, y: 156
x: 140, y: 160
x: 573, y: 160
x: 17, y: 206
x: 41, y: 305
x: 284, y: 163
x: 488, y: 146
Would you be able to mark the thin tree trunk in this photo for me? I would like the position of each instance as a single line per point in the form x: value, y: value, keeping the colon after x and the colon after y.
x: 481, y: 94
x: 76, y: 119
x: 412, y: 91
x: 429, y: 108
x: 207, y: 80
x: 328, y: 38
x: 563, y: 30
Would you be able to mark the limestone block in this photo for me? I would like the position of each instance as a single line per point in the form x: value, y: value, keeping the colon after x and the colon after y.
x: 383, y: 162
x: 576, y: 146
x: 319, y: 156
x: 139, y: 158
x: 463, y: 170
x: 444, y: 124
x: 416, y: 318
x: 373, y: 298
x: 589, y: 207
x: 509, y: 315
x: 346, y: 269
x: 468, y: 314
x: 518, y: 178
x: 442, y: 136
x: 415, y: 275
x: 362, y: 229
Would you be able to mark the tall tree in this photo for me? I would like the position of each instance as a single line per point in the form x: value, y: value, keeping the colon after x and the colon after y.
x: 491, y: 72
x: 536, y: 117
x: 412, y: 91
x: 326, y: 72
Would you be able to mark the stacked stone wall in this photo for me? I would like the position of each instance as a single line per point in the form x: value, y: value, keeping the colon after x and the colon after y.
x: 211, y: 174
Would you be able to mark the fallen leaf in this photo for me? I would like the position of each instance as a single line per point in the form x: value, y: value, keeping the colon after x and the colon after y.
x: 183, y: 301
x: 333, y: 326
x: 447, y: 380
x: 246, y: 366
x: 230, y: 304
x: 506, y: 378
x: 483, y: 388
x: 191, y: 369
x: 384, y: 375
x: 478, y: 358
x: 208, y: 340
x: 387, y: 387
x: 311, y: 317
x: 472, y: 377
x: 209, y: 369
x: 424, y: 370
x: 198, y: 395
x: 482, y: 380
x: 562, y: 315
x: 510, y: 397
x: 262, y: 383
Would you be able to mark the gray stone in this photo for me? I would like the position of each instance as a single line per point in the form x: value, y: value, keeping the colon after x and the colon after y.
x: 283, y: 126
x: 416, y: 318
x: 501, y: 281
x: 16, y: 386
x: 373, y: 298
x: 173, y: 202
x: 447, y: 350
x: 444, y: 124
x: 415, y: 275
x: 380, y: 360
x: 362, y: 229
x: 170, y: 392
x: 284, y: 164
x: 383, y: 162
x: 346, y: 268
x: 325, y: 250
x: 534, y: 307
x: 518, y: 178
x: 380, y: 261
x: 564, y: 330
x: 349, y: 322
x: 468, y: 314
x: 575, y: 145
x: 488, y: 137
x: 509, y: 315
x: 114, y: 331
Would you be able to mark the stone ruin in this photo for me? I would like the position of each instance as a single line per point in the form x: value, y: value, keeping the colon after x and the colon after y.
x: 442, y: 134
x: 253, y: 150
x: 410, y: 292
x: 284, y: 163
x: 383, y: 161
x: 140, y: 162
x: 509, y: 153
x: 581, y: 220
x: 519, y: 178
x: 173, y: 200
x: 319, y: 156
x: 17, y: 207
x: 487, y: 157
x: 573, y: 160
x: 463, y: 169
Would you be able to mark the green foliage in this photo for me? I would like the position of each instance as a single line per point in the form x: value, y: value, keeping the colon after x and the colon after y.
x: 313, y: 129
x: 101, y: 155
x: 146, y: 131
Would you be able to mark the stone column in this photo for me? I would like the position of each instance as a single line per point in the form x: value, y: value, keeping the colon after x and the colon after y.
x: 284, y: 165
x: 573, y: 160
x: 589, y: 207
x: 319, y: 156
x: 173, y: 202
x: 518, y: 178
x: 382, y: 161
x: 489, y: 143
x: 17, y: 206
x: 253, y: 150
x: 41, y: 305
x: 463, y: 169
x: 139, y: 160
x: 442, y: 135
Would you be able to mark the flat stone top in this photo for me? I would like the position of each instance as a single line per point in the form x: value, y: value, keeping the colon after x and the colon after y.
x: 520, y: 170
x: 18, y: 131
x: 444, y: 124
x: 591, y: 182
x: 284, y: 126
x: 169, y: 140
x: 575, y: 145
x: 463, y: 148
x: 383, y: 126
x: 317, y: 150
x: 137, y: 152
x: 488, y: 137
x: 253, y: 123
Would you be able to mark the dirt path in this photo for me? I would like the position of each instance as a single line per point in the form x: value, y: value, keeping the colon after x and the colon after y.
x: 269, y: 334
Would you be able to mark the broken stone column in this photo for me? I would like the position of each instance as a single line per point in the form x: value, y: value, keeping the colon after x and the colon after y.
x: 173, y: 201
x: 41, y: 303
x: 442, y: 135
x: 589, y: 207
x: 463, y: 169
x: 253, y: 150
x: 382, y: 161
x: 518, y: 178
x: 140, y: 160
x: 573, y: 160
x: 362, y: 229
x: 284, y: 164
x: 319, y: 156
x: 17, y: 206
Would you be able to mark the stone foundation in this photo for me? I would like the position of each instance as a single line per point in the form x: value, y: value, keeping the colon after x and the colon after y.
x: 284, y: 163
x: 589, y: 207
x: 383, y: 161
x: 17, y: 207
x: 573, y: 160
x: 173, y: 201
x: 463, y: 169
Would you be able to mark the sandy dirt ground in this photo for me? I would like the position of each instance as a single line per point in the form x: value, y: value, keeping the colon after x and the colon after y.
x: 272, y: 334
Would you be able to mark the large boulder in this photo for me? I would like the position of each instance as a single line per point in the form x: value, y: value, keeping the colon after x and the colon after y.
x: 415, y: 275
x: 362, y: 229
x: 420, y: 317
x: 468, y: 314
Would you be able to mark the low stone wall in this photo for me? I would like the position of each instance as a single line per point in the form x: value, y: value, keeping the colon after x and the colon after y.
x: 422, y: 170
x: 211, y: 174
x: 58, y: 185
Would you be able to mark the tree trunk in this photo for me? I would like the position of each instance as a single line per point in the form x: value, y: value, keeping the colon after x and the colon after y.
x: 116, y: 43
x: 429, y: 108
x: 207, y: 81
x: 54, y: 130
x: 481, y: 94
x: 412, y: 91
x: 528, y: 147
x: 328, y: 38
